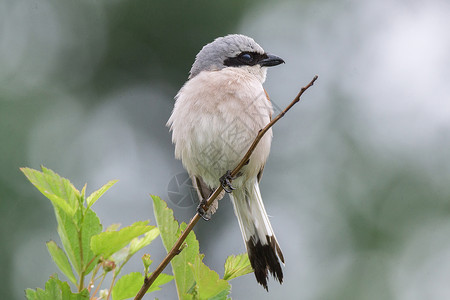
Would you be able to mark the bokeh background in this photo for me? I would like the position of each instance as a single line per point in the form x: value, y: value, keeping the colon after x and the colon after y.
x: 358, y: 181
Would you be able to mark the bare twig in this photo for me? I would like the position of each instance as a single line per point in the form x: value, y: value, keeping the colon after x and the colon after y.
x: 176, y: 248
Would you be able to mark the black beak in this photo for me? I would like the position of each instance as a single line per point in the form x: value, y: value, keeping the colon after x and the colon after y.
x: 271, y: 60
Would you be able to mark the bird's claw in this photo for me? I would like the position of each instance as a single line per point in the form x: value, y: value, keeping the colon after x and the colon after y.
x: 202, y: 212
x: 225, y: 181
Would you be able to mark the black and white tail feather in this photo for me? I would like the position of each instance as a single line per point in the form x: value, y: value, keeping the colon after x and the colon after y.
x: 262, y: 246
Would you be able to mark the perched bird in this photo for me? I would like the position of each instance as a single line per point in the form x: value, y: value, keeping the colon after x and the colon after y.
x: 217, y: 115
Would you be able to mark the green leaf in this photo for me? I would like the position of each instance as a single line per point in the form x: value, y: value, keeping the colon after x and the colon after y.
x: 68, y: 233
x: 208, y: 284
x: 56, y: 290
x: 59, y: 190
x: 70, y: 237
x: 180, y: 264
x: 167, y: 224
x: 160, y: 280
x: 129, y: 285
x: 113, y: 227
x: 236, y: 266
x: 98, y: 193
x: 170, y: 231
x: 90, y: 227
x: 64, y: 188
x: 107, y: 243
x: 83, y: 191
x: 61, y: 260
x: 75, y: 223
x: 139, y: 243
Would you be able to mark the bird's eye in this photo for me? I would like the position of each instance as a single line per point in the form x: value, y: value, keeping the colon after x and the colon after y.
x: 246, y: 57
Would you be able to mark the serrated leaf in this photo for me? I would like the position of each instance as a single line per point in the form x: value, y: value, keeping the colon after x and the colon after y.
x: 31, y: 294
x: 180, y: 263
x: 129, y: 285
x: 83, y: 191
x: 64, y: 187
x: 208, y: 285
x: 66, y: 293
x: 61, y: 260
x: 107, y: 243
x: 221, y: 296
x: 139, y: 243
x: 82, y: 197
x: 162, y: 278
x: 69, y: 233
x: 170, y: 231
x: 98, y: 193
x: 91, y: 226
x: 167, y: 224
x: 56, y: 290
x: 59, y: 190
x: 113, y: 227
x: 236, y: 266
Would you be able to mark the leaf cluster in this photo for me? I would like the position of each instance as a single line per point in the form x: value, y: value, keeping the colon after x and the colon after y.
x: 87, y: 249
x: 195, y: 280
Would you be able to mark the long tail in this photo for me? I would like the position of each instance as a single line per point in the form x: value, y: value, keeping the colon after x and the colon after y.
x: 262, y: 246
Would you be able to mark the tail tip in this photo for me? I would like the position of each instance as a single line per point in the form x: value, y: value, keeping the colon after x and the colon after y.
x: 264, y: 259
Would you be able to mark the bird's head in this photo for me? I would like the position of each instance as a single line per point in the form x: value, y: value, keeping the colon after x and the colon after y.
x: 234, y: 51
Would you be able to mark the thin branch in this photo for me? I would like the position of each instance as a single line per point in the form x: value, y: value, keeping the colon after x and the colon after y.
x: 112, y: 283
x: 267, y: 127
x: 99, y: 285
x: 176, y: 248
x: 92, y: 281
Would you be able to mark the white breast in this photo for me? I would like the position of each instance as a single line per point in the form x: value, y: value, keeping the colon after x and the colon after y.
x: 216, y: 117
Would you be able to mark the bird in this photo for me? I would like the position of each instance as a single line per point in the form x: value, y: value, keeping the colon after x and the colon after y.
x: 216, y: 116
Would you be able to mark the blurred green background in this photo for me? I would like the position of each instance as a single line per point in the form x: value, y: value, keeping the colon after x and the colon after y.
x: 357, y: 183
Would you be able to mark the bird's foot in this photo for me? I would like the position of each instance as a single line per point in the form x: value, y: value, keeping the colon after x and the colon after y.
x: 202, y: 212
x: 225, y: 181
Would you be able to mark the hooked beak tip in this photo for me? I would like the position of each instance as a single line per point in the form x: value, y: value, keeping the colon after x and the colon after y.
x: 271, y: 60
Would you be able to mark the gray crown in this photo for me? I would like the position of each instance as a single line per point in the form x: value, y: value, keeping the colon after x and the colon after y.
x: 213, y: 55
